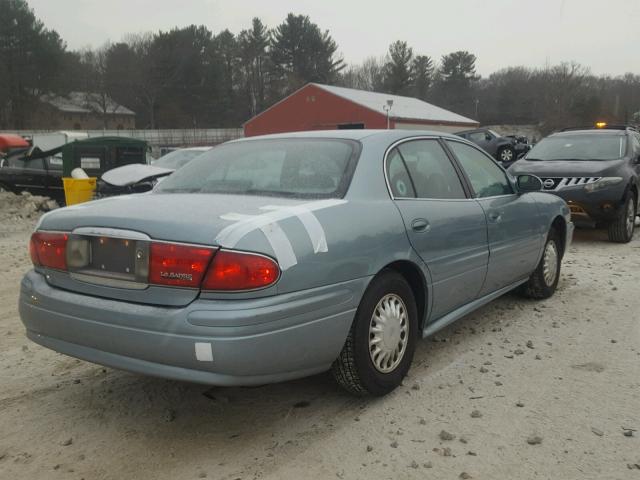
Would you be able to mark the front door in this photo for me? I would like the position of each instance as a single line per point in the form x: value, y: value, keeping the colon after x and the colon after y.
x: 513, y: 223
x: 28, y: 175
x: 445, y: 227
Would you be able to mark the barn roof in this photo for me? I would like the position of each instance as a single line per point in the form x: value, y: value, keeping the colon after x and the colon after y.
x: 85, y: 102
x: 408, y: 108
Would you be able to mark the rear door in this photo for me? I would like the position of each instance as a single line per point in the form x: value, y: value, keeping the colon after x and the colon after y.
x: 514, y: 225
x: 445, y: 226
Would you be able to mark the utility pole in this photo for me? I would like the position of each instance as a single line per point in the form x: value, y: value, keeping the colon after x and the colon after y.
x: 387, y: 108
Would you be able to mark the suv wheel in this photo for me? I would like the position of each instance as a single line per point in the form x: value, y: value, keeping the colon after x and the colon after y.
x: 544, y: 280
x: 379, y: 349
x: 506, y: 154
x: 621, y: 229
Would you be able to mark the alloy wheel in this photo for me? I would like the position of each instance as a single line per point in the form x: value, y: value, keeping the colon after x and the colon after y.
x: 506, y: 155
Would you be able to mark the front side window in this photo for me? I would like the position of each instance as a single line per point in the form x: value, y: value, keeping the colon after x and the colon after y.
x: 431, y: 171
x: 487, y: 179
x: 290, y: 167
x: 22, y: 162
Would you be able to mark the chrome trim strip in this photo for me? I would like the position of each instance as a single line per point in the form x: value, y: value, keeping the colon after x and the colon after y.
x: 107, y: 281
x: 110, y: 232
x: 435, y: 137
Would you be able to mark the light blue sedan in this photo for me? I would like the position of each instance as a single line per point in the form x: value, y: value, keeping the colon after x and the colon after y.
x: 272, y: 258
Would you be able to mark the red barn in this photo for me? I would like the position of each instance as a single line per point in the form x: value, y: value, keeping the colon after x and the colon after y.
x: 324, y: 107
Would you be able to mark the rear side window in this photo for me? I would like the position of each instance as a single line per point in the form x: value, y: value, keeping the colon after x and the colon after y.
x: 487, y: 179
x: 431, y: 171
x: 399, y: 180
x: 477, y: 136
x: 291, y: 167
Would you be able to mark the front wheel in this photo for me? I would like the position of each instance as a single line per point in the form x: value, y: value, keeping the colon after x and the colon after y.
x: 544, y: 280
x: 506, y: 154
x: 379, y: 349
x: 621, y: 229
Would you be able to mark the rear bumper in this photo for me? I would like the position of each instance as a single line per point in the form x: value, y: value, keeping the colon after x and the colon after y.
x: 218, y: 342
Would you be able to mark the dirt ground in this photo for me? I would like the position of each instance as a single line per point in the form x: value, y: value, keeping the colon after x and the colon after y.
x: 566, y: 371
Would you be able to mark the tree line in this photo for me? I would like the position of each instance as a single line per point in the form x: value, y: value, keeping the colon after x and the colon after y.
x: 191, y: 77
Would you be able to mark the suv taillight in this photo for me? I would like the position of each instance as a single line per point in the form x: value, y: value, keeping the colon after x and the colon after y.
x: 49, y: 250
x: 240, y: 271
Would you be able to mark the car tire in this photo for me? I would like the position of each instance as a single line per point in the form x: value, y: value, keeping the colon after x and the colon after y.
x: 367, y: 365
x: 544, y: 280
x: 506, y: 154
x: 622, y: 228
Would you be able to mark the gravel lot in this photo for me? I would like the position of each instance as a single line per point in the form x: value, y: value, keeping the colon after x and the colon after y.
x: 519, y: 389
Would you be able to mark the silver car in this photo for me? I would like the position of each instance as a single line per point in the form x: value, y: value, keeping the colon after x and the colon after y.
x: 273, y: 258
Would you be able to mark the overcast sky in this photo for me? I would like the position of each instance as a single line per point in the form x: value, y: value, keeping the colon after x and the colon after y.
x: 601, y: 34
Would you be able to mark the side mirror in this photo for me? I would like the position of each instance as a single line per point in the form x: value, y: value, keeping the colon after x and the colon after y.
x: 529, y: 183
x: 488, y: 137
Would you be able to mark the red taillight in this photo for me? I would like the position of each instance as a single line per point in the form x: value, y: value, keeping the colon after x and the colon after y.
x: 49, y: 250
x: 240, y: 271
x: 178, y: 265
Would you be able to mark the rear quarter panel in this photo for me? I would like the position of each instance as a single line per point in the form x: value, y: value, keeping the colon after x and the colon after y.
x: 363, y: 234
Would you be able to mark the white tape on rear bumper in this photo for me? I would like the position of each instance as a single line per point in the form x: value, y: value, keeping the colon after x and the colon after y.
x: 204, y: 353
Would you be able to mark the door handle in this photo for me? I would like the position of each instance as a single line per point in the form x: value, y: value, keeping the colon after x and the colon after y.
x: 495, y: 216
x: 420, y: 225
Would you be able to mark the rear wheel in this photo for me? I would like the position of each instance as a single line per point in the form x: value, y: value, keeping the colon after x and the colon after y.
x: 379, y: 349
x: 621, y: 229
x: 544, y: 280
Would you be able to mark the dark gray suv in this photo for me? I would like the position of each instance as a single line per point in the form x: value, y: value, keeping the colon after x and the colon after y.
x: 596, y: 171
x: 504, y: 149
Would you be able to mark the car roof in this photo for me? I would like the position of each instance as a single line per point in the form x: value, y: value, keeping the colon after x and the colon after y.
x: 356, y: 134
x: 472, y: 131
x: 586, y: 131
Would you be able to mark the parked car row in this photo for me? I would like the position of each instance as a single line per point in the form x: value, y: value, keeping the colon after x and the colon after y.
x: 28, y: 168
x: 276, y: 257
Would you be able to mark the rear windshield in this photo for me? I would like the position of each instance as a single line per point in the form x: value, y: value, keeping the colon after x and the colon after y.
x: 579, y: 147
x: 177, y: 158
x: 307, y: 168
